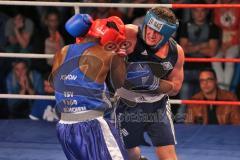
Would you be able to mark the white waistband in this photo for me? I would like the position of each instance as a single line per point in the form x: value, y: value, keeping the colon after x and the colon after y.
x: 70, y: 118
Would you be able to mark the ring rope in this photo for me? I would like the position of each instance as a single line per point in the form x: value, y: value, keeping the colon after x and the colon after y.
x: 172, y: 101
x: 49, y: 56
x: 78, y: 4
x: 17, y: 96
x: 118, y: 5
x: 234, y: 60
x: 235, y: 103
x: 205, y: 5
x: 26, y: 55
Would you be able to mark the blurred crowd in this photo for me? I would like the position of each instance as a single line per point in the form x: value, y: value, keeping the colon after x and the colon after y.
x: 203, y: 33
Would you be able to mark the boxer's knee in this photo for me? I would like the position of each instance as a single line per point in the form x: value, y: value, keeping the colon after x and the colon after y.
x: 166, y: 152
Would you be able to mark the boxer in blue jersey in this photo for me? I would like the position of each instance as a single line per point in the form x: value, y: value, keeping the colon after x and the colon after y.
x: 79, y: 73
x: 154, y: 72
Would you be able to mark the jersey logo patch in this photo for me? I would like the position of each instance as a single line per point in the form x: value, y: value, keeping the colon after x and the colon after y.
x: 124, y: 132
x: 144, y: 53
x: 167, y: 66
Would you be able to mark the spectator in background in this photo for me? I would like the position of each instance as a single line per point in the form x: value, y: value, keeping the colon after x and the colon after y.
x: 139, y: 20
x: 183, y: 14
x: 212, y: 114
x: 102, y: 12
x: 54, y: 41
x: 44, y: 109
x: 228, y: 19
x: 132, y: 13
x: 21, y: 80
x: 18, y: 31
x: 49, y: 40
x: 199, y: 39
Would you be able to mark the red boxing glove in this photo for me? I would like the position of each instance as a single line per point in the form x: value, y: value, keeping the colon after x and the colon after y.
x: 111, y: 29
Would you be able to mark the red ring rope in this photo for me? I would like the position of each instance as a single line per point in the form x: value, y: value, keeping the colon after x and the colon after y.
x: 235, y: 103
x: 205, y: 5
x: 235, y: 60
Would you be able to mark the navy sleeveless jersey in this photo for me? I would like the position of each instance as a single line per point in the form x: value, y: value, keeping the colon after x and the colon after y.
x: 74, y: 91
x: 160, y: 67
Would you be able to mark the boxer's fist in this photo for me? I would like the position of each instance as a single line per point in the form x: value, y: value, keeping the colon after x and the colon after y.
x: 78, y: 25
x: 140, y: 77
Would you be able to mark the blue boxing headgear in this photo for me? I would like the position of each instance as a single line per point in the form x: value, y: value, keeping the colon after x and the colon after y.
x: 166, y: 29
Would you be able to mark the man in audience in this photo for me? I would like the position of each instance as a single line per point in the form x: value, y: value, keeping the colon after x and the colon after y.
x: 212, y: 114
x: 24, y: 81
x: 199, y: 39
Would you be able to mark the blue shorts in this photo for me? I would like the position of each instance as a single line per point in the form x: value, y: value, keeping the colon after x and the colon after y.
x: 91, y: 140
x: 153, y: 118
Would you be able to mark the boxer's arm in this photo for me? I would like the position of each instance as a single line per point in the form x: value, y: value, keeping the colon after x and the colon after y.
x: 173, y: 84
x: 131, y: 36
x: 118, y: 65
x: 117, y: 71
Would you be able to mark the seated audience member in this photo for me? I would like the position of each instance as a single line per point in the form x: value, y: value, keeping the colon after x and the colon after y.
x: 49, y: 39
x: 21, y: 80
x: 44, y: 109
x: 212, y: 114
x: 199, y: 39
x: 139, y: 19
x: 54, y: 41
x: 19, y: 30
x: 102, y: 12
x: 228, y: 19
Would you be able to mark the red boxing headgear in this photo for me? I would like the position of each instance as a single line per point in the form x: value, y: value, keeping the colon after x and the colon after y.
x: 111, y: 29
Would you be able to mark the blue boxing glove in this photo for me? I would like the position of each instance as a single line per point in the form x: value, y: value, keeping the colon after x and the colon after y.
x: 140, y: 77
x: 78, y: 25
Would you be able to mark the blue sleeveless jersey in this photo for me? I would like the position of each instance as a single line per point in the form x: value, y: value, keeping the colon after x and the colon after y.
x: 74, y: 91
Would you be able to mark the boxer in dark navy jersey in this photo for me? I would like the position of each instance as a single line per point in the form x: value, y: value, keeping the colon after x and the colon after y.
x: 154, y: 72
